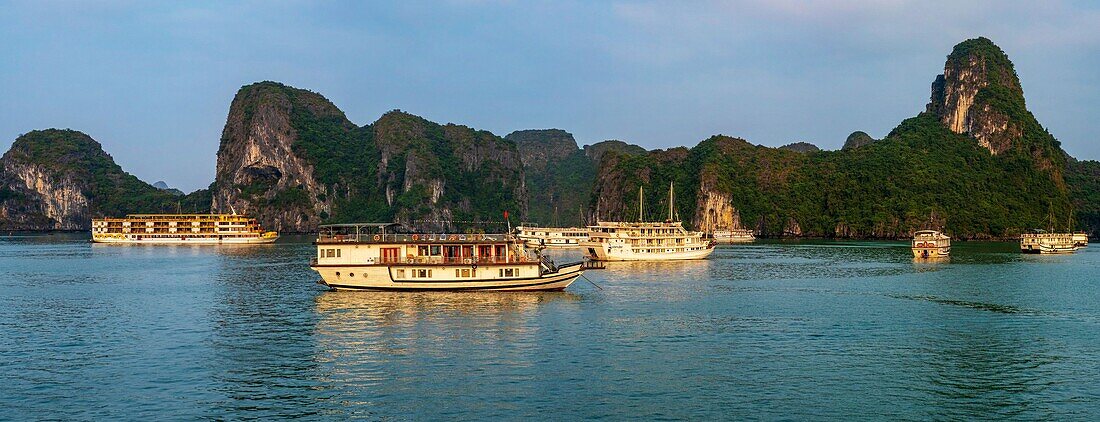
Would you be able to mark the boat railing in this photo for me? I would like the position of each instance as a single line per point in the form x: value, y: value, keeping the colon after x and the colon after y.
x: 439, y: 260
x: 409, y: 238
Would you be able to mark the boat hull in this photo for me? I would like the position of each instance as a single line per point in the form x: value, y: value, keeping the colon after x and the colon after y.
x: 931, y: 253
x: 189, y: 241
x: 380, y: 277
x: 605, y: 252
x: 1049, y: 250
x: 552, y: 244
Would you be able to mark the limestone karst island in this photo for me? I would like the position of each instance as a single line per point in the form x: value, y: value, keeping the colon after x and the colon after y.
x: 976, y: 160
x: 495, y: 210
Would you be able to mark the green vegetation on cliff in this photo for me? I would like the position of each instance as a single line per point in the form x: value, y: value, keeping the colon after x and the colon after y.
x: 883, y: 189
x: 64, y: 161
x: 316, y: 166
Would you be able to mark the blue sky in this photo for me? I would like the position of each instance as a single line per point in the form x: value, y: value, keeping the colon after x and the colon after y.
x: 152, y: 81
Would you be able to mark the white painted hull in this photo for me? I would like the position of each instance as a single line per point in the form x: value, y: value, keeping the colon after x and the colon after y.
x: 381, y: 277
x: 1051, y: 250
x: 189, y: 241
x: 606, y: 252
x: 552, y: 244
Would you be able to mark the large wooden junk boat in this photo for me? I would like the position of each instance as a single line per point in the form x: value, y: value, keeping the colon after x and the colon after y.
x: 552, y: 237
x: 733, y: 236
x: 198, y: 229
x: 386, y: 256
x: 1042, y: 242
x: 645, y: 241
x: 931, y: 244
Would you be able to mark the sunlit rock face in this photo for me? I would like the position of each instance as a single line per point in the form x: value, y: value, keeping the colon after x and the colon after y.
x: 978, y: 93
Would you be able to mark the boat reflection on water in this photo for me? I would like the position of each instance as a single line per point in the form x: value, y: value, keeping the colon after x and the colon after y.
x: 356, y: 311
x: 931, y: 263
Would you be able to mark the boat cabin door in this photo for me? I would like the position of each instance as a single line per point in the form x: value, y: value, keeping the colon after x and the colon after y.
x: 389, y: 254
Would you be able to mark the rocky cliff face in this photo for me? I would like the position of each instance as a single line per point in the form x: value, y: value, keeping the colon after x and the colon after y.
x: 977, y: 93
x: 436, y: 174
x: 60, y: 179
x: 258, y: 172
x: 714, y: 208
x: 539, y: 147
x: 39, y: 199
x: 292, y: 159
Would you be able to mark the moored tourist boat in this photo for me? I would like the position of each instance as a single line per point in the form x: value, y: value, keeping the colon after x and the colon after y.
x: 1042, y: 242
x: 1080, y: 239
x: 386, y: 256
x: 931, y: 244
x: 645, y: 241
x: 196, y: 229
x: 733, y: 236
x: 552, y: 237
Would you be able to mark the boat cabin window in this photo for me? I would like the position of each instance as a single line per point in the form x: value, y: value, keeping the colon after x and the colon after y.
x: 436, y: 250
x: 400, y: 273
x: 509, y: 272
x: 465, y: 272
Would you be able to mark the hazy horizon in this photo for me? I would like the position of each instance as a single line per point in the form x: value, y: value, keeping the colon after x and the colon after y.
x: 153, y: 82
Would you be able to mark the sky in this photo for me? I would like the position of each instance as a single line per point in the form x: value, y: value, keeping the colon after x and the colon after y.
x: 152, y: 81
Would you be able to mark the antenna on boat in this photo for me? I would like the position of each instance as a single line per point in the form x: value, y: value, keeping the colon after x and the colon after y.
x: 670, y: 196
x: 641, y: 210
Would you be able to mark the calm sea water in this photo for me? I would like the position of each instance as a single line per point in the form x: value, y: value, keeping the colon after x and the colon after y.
x: 806, y: 330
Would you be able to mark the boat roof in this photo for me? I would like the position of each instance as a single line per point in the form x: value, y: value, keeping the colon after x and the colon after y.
x: 325, y: 226
x: 926, y: 232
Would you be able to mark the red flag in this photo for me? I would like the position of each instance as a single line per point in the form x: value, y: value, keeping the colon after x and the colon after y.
x: 505, y: 214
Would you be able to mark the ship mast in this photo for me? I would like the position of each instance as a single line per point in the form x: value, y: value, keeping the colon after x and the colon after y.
x: 641, y: 210
x: 670, y: 196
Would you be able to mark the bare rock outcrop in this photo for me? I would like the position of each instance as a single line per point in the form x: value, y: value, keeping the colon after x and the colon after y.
x: 259, y: 172
x: 978, y: 93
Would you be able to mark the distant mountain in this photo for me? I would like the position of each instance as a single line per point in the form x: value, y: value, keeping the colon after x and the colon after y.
x: 164, y: 187
x: 803, y: 147
x: 977, y: 159
x: 857, y: 139
x: 60, y: 179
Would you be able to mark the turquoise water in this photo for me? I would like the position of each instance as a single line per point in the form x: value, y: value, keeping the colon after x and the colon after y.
x: 806, y: 330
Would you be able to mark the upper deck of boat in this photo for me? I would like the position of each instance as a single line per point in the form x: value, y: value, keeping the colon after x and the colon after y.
x: 383, y: 234
x: 176, y: 217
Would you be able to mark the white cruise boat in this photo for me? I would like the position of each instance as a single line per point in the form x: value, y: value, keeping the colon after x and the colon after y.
x: 1080, y: 239
x: 192, y: 229
x: 931, y: 244
x: 552, y: 237
x: 385, y: 256
x: 645, y: 241
x: 1042, y: 242
x: 733, y: 236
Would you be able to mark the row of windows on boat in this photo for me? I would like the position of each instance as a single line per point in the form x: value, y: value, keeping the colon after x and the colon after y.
x: 446, y: 251
x: 459, y: 273
x: 643, y: 232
